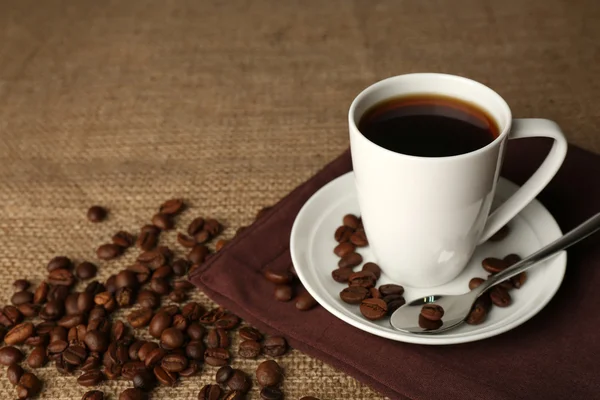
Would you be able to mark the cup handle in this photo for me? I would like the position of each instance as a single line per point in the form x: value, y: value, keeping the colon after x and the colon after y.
x: 522, y: 128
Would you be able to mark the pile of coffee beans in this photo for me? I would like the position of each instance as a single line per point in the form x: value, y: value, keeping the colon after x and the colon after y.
x: 79, y: 333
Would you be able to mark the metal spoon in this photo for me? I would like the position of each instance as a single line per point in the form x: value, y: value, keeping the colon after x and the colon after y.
x: 457, y: 307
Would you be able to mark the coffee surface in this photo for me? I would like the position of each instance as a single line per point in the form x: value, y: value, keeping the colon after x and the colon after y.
x: 428, y: 126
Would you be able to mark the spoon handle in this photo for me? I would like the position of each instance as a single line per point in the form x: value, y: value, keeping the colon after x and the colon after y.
x: 581, y: 232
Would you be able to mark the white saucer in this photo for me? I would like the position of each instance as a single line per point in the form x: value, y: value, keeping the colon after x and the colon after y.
x: 312, y: 243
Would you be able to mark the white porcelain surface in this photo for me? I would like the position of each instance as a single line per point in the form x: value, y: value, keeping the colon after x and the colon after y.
x: 312, y: 244
x: 433, y: 212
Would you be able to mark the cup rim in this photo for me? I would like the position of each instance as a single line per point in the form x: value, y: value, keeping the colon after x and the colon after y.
x: 504, y: 130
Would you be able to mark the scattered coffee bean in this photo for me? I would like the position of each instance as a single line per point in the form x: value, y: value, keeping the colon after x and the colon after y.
x: 305, y: 302
x: 354, y: 294
x: 249, y: 349
x: 96, y: 214
x: 341, y: 275
x: 429, y: 324
x: 344, y: 248
x: 62, y: 277
x: 131, y: 368
x: 29, y: 386
x: 21, y: 284
x: 433, y: 312
x: 343, y: 234
x: 217, y: 357
x: 227, y: 321
x: 389, y: 289
x: 500, y: 296
x: 41, y: 292
x: 133, y: 394
x: 500, y: 235
x: 21, y: 297
x: 519, y: 280
x: 37, y: 357
x: 365, y: 279
x: 198, y: 254
x: 479, y: 311
x: 183, y: 285
x: 275, y: 346
x: 373, y: 309
x: 172, y: 207
x: 177, y: 296
x: 91, y: 378
x: 59, y: 262
x: 19, y: 333
x: 123, y: 239
x: 359, y: 239
x: 512, y: 259
x: 475, y: 282
x: 146, y: 349
x: 85, y: 270
x: 162, y: 221
x: 93, y: 395
x: 164, y: 377
x: 10, y: 355
x: 109, y: 251
x: 154, y: 357
x: 14, y: 373
x: 239, y: 381
x: 144, y: 380
x: 202, y: 237
x: 394, y: 302
x: 351, y: 221
x: 140, y: 318
x: 210, y: 392
x: 372, y: 267
x: 223, y: 374
x: 494, y: 265
x: 234, y: 395
x: 350, y: 260
x: 171, y: 338
x: 249, y: 333
x: 283, y: 292
x: 269, y: 373
x: 148, y: 237
x: 279, y: 277
x: 271, y: 393
x: 217, y: 338
x: 148, y: 299
x: 185, y: 241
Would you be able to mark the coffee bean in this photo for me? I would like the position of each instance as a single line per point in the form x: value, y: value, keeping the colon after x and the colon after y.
x: 111, y: 284
x: 475, y: 282
x: 75, y: 355
x: 59, y: 262
x: 62, y: 367
x: 172, y: 207
x: 171, y: 338
x: 354, y: 294
x: 165, y: 377
x: 220, y: 244
x: 170, y: 309
x: 394, y: 302
x: 239, y: 381
x: 85, y: 270
x: 198, y: 254
x: 174, y: 362
x: 359, y: 239
x: 375, y: 293
x: 154, y: 357
x: 94, y: 288
x: 124, y: 297
x: 283, y: 293
x: 343, y: 233
x: 373, y: 309
x: 126, y: 278
x: 96, y: 340
x: 213, y: 227
x: 133, y: 394
x: 14, y: 372
x: 227, y: 321
x: 433, y: 312
x: 211, y: 316
x: 29, y: 386
x: 275, y: 346
x: 148, y: 299
x: 365, y: 279
x: 389, y: 289
x: 140, y: 318
x: 224, y: 374
x: 123, y: 239
x: 58, y: 292
x: 216, y: 357
x: 96, y: 214
x: 305, y: 302
x: 512, y: 259
x: 271, y: 393
x: 351, y: 221
x: 57, y: 346
x: 341, y: 275
x: 99, y: 323
x: 180, y: 322
x: 56, y: 333
x: 269, y: 373
x: 210, y: 392
x: 148, y: 237
x: 11, y: 316
x: 113, y: 371
x: 21, y: 297
x: 62, y: 277
x: 41, y: 292
x: 249, y: 333
x: 429, y: 324
x: 195, y: 331
x: 344, y: 248
x: 185, y: 240
x: 192, y: 311
x: 162, y: 221
x: 500, y: 235
x: 498, y: 295
x: 146, y: 349
x: 183, y: 285
x: 85, y: 302
x: 372, y: 267
x: 117, y: 331
x: 19, y: 333
x: 144, y: 380
x: 177, y: 296
x: 21, y: 284
x: 160, y: 286
x: 494, y: 265
x: 108, y: 251
x: 10, y: 355
x: 159, y: 323
x: 37, y: 357
x: 71, y: 305
x: 44, y: 328
x: 279, y: 277
x: 52, y: 310
x: 93, y: 395
x: 103, y: 298
x: 249, y: 349
x: 91, y: 378
x: 217, y: 338
x: 91, y: 363
x: 234, y: 395
x: 202, y: 237
x: 180, y: 267
x: 195, y: 349
x: 35, y: 341
x: 350, y: 260
x: 131, y: 368
x: 519, y: 280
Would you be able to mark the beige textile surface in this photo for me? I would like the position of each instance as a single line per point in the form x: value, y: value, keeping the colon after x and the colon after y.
x: 230, y: 105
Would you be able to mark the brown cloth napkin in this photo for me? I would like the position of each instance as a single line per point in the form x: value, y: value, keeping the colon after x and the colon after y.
x: 552, y: 356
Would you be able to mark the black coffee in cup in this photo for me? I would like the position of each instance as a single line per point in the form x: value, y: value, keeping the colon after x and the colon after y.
x: 428, y: 125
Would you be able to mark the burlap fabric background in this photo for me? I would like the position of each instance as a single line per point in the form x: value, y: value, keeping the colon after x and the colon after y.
x: 230, y: 105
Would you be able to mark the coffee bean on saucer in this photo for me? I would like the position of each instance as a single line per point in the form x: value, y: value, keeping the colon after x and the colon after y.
x: 433, y: 312
x: 354, y: 294
x: 269, y: 373
x: 344, y: 248
x: 475, y: 282
x: 109, y: 251
x: 500, y: 296
x: 429, y: 324
x: 305, y: 301
x: 373, y: 309
x: 278, y: 277
x: 365, y: 279
x: 350, y: 260
x: 343, y: 234
x: 275, y: 346
x: 172, y: 207
x: 391, y: 288
x: 210, y: 392
x: 283, y: 292
x: 359, y: 239
x: 479, y: 311
x: 351, y: 221
x: 123, y: 239
x: 500, y: 235
x: 494, y: 265
x: 271, y: 393
x: 249, y: 349
x: 394, y: 302
x: 372, y: 267
x: 341, y: 275
x: 375, y: 293
x: 96, y: 214
x: 519, y: 280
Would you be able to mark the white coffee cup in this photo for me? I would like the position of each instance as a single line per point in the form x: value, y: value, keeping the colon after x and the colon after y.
x: 424, y: 216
